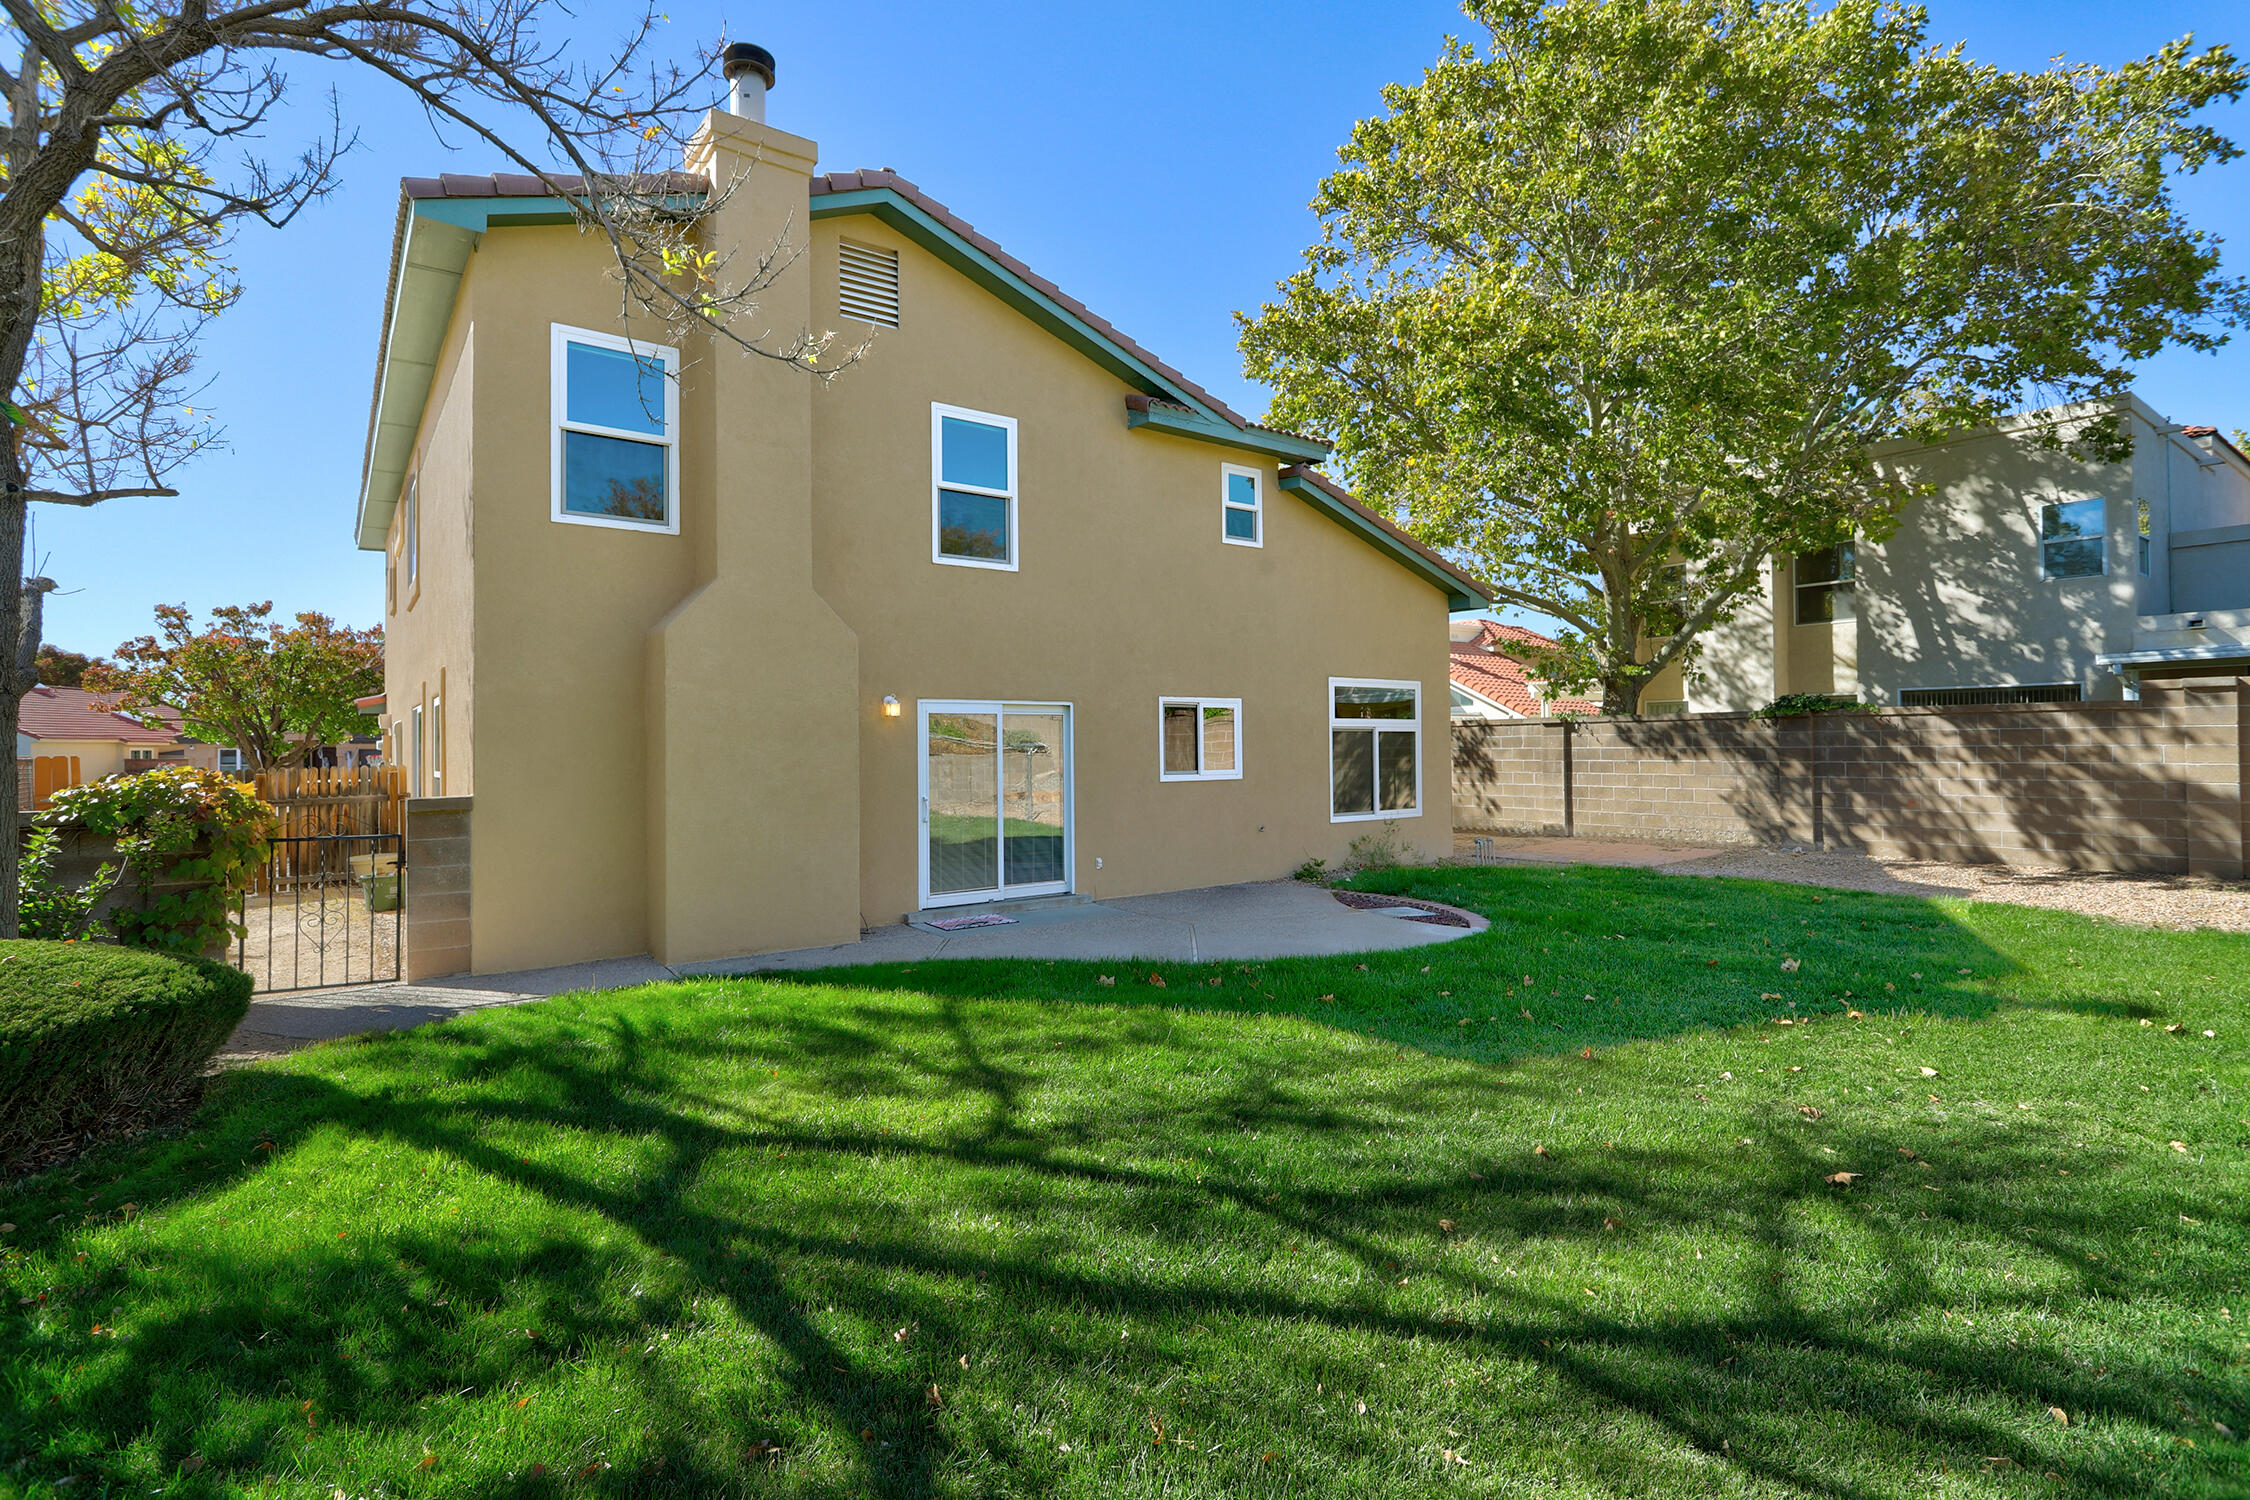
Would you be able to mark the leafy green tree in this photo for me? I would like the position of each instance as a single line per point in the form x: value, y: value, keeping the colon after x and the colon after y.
x: 276, y: 692
x: 1622, y: 301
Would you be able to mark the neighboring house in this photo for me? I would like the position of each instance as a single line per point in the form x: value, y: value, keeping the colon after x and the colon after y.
x: 68, y: 721
x: 1490, y: 684
x: 2029, y: 576
x: 729, y: 660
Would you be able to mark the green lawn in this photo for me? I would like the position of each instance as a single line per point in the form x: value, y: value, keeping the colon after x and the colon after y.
x: 1305, y: 1228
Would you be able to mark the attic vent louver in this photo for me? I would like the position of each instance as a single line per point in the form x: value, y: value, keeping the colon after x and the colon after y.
x: 867, y: 283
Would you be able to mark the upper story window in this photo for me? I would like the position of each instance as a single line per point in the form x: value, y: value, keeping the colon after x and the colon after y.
x: 972, y: 488
x: 1200, y: 739
x: 2071, y: 539
x: 1241, y: 517
x: 2141, y: 538
x: 616, y: 420
x: 1374, y: 749
x: 1824, y: 585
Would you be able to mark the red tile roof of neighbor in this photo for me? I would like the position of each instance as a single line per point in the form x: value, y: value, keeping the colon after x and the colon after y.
x: 1480, y: 667
x: 68, y: 713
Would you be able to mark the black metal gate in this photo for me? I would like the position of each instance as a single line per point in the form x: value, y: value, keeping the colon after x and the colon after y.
x: 327, y: 911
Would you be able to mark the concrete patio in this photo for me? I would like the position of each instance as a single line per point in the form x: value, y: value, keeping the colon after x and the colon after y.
x: 1228, y: 923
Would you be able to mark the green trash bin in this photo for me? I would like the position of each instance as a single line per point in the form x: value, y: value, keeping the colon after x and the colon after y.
x: 382, y: 891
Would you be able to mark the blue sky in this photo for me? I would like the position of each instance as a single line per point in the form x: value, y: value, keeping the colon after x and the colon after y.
x: 1157, y: 169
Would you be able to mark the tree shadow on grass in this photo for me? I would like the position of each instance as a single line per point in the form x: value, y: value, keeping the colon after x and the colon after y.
x: 641, y: 1188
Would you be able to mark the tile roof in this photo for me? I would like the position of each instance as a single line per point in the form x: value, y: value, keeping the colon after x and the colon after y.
x: 2216, y: 436
x: 852, y: 182
x: 68, y: 713
x: 1481, y: 666
x: 524, y: 185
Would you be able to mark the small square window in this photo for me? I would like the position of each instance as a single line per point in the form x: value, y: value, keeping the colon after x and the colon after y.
x: 1241, y: 516
x: 1200, y: 739
x: 2071, y: 540
x: 616, y: 421
x: 973, y: 499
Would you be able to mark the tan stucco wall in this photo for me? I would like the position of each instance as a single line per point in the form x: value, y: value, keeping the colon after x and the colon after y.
x: 680, y: 737
x: 1125, y: 593
x: 429, y: 627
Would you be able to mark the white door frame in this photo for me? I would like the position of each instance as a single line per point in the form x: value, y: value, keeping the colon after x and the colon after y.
x: 1000, y: 708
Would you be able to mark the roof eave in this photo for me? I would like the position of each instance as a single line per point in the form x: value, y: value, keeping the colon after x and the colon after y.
x: 1287, y: 447
x: 893, y: 208
x: 426, y: 270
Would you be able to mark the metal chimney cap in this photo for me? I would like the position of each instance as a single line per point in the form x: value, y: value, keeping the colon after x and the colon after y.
x: 746, y: 57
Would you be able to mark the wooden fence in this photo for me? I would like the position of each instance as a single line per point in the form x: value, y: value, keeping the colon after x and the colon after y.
x: 325, y: 801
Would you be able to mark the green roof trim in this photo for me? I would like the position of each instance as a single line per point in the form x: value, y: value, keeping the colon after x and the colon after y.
x: 1353, y: 518
x: 910, y: 219
x: 1187, y: 424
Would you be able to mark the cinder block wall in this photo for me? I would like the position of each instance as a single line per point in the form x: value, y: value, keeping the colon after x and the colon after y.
x: 2153, y: 786
x: 437, y: 887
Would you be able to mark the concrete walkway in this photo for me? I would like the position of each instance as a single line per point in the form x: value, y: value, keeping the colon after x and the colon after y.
x: 1229, y: 923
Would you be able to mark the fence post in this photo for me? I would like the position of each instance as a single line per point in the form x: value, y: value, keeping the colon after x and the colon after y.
x: 436, y: 888
x: 1569, y: 792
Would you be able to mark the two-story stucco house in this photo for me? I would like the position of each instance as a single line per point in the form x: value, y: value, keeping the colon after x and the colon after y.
x: 2029, y: 575
x: 728, y: 661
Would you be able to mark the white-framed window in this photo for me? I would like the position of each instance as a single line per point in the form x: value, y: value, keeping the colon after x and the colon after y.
x: 1374, y: 749
x: 2141, y: 542
x: 1199, y: 739
x: 972, y: 488
x: 1662, y: 708
x: 2073, y: 540
x: 437, y: 747
x: 1242, y: 518
x: 139, y: 753
x: 230, y: 760
x: 1825, y: 585
x: 616, y: 407
x: 411, y: 536
x: 414, y: 771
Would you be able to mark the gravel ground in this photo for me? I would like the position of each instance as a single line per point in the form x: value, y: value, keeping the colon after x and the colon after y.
x: 2177, y: 901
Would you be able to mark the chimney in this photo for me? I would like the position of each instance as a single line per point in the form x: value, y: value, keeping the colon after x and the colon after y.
x: 749, y: 73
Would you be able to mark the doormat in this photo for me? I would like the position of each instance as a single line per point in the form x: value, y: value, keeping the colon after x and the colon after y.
x: 956, y: 924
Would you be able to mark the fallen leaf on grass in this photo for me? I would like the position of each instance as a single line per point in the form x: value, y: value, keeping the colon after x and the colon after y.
x: 2179, y: 1145
x: 1445, y: 1225
x: 1907, y: 1152
x: 1328, y: 999
x: 1789, y: 965
x: 2174, y: 1029
x: 1586, y: 1053
x: 191, y: 1463
x: 1770, y: 997
x: 1929, y: 1072
x: 1853, y: 1015
x: 1521, y: 1012
x: 1613, y: 1223
x: 429, y: 1461
x: 2061, y: 1416
x: 1108, y: 979
x: 1539, y: 1151
x: 1454, y: 1458
x: 1811, y: 1111
x: 1158, y: 981
x: 1842, y: 1179
x: 935, y: 1398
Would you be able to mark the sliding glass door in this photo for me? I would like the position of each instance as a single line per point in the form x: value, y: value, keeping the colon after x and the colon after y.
x: 995, y: 801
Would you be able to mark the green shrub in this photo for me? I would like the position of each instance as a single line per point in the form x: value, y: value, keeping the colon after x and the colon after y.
x: 202, y: 832
x: 95, y: 1040
x: 50, y: 908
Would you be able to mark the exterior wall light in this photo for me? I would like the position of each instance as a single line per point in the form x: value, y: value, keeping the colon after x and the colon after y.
x: 890, y: 706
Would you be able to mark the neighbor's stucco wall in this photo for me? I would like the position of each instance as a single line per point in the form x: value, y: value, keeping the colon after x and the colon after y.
x: 1125, y: 593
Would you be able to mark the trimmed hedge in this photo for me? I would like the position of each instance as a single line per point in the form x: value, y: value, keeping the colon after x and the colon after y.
x: 95, y: 1040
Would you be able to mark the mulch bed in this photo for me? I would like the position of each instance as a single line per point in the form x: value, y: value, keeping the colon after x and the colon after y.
x: 1434, y: 916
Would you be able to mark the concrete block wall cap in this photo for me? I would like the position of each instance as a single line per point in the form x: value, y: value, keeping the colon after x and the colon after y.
x: 416, y: 805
